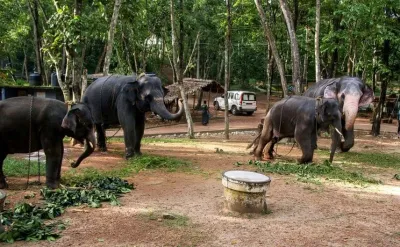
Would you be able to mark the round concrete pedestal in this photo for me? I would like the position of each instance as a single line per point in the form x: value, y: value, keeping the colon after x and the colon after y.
x: 245, y: 191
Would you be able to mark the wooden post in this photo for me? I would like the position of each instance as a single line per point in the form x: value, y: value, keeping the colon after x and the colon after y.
x: 209, y: 96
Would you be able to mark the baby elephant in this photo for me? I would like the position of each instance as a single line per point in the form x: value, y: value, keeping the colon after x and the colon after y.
x: 300, y: 117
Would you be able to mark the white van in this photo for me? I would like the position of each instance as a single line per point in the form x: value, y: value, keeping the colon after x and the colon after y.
x: 239, y: 101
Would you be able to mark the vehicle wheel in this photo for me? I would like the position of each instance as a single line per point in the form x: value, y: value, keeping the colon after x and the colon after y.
x: 250, y: 113
x: 234, y: 110
x: 216, y: 106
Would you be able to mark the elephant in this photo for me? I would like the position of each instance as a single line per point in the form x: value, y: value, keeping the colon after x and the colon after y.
x: 29, y: 124
x: 124, y: 100
x: 351, y: 93
x: 299, y: 117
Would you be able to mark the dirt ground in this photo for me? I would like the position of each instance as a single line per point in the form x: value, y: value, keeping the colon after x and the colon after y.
x: 300, y: 214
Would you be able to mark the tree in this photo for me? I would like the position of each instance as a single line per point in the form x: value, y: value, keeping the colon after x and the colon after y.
x: 316, y: 48
x: 227, y: 65
x: 177, y: 66
x: 110, y: 40
x: 271, y: 41
x: 294, y: 46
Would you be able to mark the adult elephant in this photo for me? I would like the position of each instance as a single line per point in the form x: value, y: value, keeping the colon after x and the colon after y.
x: 124, y: 100
x: 351, y: 93
x: 28, y: 124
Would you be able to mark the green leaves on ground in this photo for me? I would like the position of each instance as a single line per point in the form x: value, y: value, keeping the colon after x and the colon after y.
x: 312, y: 171
x: 27, y: 222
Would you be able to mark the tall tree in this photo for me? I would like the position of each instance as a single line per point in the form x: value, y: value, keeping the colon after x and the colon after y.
x: 177, y: 67
x: 227, y: 64
x: 316, y: 48
x: 294, y: 46
x: 33, y: 9
x: 110, y: 41
x: 271, y: 40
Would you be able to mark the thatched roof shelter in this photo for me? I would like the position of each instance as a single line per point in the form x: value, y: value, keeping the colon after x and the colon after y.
x: 192, y: 85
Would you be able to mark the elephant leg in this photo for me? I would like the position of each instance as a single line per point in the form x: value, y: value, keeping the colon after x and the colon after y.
x: 270, y: 153
x: 101, y: 138
x: 139, y: 131
x: 307, y: 142
x: 266, y: 136
x: 3, y: 183
x: 128, y: 124
x: 54, y: 150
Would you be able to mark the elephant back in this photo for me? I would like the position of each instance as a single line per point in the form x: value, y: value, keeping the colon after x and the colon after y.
x: 318, y: 88
x: 101, y: 97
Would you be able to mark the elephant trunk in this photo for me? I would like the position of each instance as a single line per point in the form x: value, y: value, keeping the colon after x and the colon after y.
x: 90, y: 143
x: 158, y: 106
x: 350, y: 109
x: 336, y: 137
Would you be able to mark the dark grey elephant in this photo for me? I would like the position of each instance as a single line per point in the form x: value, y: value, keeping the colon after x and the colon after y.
x: 299, y: 117
x: 124, y: 100
x: 43, y: 123
x: 351, y: 93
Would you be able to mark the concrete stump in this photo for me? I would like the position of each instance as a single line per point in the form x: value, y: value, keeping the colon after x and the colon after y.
x: 245, y: 191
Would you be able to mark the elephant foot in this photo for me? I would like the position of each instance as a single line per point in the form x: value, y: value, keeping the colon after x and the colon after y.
x: 131, y: 155
x: 52, y: 185
x: 304, y: 161
x: 3, y: 185
x: 102, y: 149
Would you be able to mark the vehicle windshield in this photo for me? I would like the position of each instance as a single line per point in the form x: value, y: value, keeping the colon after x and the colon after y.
x: 249, y: 97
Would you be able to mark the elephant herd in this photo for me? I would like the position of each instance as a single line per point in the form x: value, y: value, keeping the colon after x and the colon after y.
x: 28, y: 124
x: 330, y: 102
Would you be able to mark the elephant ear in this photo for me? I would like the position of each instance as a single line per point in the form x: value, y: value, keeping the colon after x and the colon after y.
x: 330, y: 91
x: 131, y: 91
x: 78, y: 114
x: 367, y: 97
x: 320, y: 108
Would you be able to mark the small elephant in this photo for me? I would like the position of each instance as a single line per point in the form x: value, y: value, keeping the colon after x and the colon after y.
x: 28, y: 124
x: 124, y: 100
x: 299, y: 117
x: 351, y: 93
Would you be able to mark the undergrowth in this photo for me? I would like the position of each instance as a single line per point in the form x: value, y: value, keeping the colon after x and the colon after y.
x: 311, y: 172
x: 28, y: 222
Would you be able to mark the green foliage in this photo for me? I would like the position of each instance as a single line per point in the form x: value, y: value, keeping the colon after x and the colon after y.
x: 312, y: 171
x: 141, y: 163
x: 20, y: 168
x: 27, y: 222
x: 375, y: 159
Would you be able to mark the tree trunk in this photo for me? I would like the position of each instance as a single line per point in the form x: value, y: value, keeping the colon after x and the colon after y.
x: 294, y: 47
x: 271, y: 40
x: 376, y: 125
x: 227, y: 65
x: 33, y: 9
x: 178, y: 71
x: 101, y: 60
x: 305, y: 66
x: 317, y: 52
x: 198, y: 61
x: 268, y: 81
x: 110, y: 41
x: 125, y: 45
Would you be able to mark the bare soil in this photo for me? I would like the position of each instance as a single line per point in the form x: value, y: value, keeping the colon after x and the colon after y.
x: 300, y: 214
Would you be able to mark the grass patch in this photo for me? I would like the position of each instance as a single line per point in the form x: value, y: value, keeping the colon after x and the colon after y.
x: 20, y: 167
x: 142, y: 163
x: 374, y: 159
x: 310, y: 172
x: 155, y: 140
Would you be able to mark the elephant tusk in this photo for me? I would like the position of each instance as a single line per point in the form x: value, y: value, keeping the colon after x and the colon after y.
x: 341, y: 135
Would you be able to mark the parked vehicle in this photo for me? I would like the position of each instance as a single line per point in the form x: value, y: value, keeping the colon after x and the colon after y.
x: 238, y: 101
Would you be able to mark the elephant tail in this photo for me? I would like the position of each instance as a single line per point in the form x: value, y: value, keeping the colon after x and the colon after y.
x: 255, y: 141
